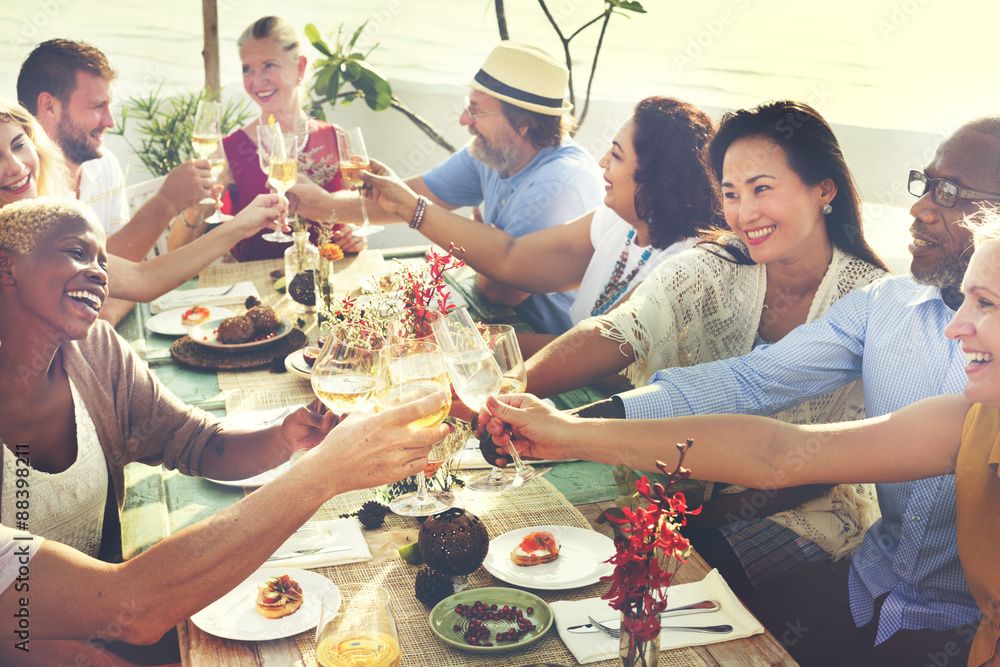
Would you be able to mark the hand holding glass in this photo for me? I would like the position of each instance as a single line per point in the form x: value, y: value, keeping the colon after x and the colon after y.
x: 279, y: 153
x: 206, y: 137
x: 353, y: 159
x: 343, y: 376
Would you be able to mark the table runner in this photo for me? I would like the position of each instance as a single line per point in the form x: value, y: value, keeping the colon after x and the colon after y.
x: 537, y: 503
x: 247, y: 391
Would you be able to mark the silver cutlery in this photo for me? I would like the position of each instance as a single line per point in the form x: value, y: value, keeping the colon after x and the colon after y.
x: 615, y: 633
x: 309, y: 552
x: 703, y: 607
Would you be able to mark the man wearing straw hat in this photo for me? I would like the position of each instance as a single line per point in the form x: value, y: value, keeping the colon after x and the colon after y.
x: 521, y: 166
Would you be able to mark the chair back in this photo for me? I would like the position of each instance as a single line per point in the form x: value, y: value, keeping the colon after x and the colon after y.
x: 136, y: 195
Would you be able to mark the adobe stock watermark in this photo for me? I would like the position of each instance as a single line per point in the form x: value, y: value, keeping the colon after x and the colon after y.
x: 711, y: 30
x: 36, y: 18
x: 378, y: 21
x: 899, y: 16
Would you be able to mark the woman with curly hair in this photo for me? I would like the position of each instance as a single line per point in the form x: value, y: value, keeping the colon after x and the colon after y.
x: 658, y: 196
x: 794, y: 246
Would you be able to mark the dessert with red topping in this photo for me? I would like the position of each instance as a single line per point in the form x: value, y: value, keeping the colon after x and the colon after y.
x: 279, y: 597
x: 536, y: 548
x: 196, y: 315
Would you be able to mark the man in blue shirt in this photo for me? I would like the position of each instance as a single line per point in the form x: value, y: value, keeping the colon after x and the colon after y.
x: 904, y: 600
x: 520, y: 166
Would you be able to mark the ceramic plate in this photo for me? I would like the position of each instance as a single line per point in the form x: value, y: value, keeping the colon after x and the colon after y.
x: 205, y: 334
x: 233, y: 616
x: 296, y: 365
x: 170, y: 322
x: 444, y: 618
x: 580, y: 563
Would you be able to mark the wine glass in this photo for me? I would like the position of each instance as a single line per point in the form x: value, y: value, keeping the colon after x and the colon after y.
x: 473, y: 371
x: 278, y: 152
x: 409, y: 371
x: 356, y: 627
x: 502, y: 339
x: 354, y: 158
x: 343, y: 376
x: 206, y: 137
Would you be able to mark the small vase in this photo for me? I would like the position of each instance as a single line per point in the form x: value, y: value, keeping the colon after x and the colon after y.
x: 301, y: 260
x: 324, y: 292
x: 633, y: 652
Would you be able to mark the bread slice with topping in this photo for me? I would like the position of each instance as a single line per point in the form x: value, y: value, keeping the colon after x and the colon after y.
x: 279, y: 597
x: 536, y: 548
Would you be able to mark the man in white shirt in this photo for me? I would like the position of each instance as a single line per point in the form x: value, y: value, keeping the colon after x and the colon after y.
x: 66, y: 85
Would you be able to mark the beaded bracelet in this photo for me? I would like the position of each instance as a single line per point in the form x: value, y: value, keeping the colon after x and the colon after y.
x: 418, y: 213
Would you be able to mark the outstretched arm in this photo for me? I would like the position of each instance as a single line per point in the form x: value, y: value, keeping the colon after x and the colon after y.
x: 145, y: 281
x: 918, y: 441
x: 74, y: 596
x: 577, y: 358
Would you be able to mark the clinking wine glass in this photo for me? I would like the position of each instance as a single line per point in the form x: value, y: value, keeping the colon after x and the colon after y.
x: 343, y: 376
x: 357, y: 629
x: 206, y: 136
x: 278, y: 152
x: 354, y: 159
x: 502, y: 339
x: 407, y: 372
x: 473, y: 371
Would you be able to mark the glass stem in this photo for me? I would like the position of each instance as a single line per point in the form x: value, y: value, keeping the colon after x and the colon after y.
x: 364, y: 211
x: 421, y: 496
x: 518, y: 463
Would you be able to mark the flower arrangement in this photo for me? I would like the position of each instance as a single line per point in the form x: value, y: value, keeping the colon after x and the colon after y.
x: 649, y: 544
x: 331, y: 252
x: 410, y: 288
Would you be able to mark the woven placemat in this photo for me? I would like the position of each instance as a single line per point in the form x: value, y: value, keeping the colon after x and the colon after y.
x: 537, y: 503
x: 195, y: 354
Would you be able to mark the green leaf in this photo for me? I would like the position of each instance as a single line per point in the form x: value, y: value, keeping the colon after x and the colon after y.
x: 333, y: 85
x: 354, y: 37
x: 377, y: 91
x: 629, y: 5
x: 312, y: 34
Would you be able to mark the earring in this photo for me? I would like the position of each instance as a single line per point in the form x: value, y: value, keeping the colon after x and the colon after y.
x: 827, y: 209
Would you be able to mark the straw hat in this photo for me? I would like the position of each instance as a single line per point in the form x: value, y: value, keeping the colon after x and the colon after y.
x: 525, y: 76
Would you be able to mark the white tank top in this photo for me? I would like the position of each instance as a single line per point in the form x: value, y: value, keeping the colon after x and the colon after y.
x: 68, y: 506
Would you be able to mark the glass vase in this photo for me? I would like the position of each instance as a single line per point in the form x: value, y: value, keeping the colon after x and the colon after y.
x: 324, y: 293
x: 301, y: 262
x: 633, y: 652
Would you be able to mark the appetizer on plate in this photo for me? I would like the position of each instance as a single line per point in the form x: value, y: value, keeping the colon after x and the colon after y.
x: 196, y: 315
x: 278, y: 597
x: 536, y: 548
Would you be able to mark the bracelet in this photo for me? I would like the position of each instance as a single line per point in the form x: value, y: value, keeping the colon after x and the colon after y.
x: 418, y: 213
x: 195, y: 225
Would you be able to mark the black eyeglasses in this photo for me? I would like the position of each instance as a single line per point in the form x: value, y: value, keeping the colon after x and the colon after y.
x: 943, y: 192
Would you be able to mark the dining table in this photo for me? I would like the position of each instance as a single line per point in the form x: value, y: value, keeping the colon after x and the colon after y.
x: 576, y: 494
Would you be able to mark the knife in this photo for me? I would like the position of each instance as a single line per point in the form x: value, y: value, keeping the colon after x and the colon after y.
x: 310, y: 552
x: 703, y: 607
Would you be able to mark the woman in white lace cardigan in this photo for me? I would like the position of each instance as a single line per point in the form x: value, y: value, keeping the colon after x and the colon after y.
x: 794, y: 246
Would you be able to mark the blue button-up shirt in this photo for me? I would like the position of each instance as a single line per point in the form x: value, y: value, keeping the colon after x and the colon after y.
x: 890, y: 334
x: 560, y: 184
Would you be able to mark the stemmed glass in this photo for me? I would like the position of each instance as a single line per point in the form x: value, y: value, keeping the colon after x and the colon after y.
x: 502, y: 339
x: 409, y: 371
x: 278, y: 152
x: 206, y: 136
x: 343, y: 376
x: 473, y: 370
x: 412, y: 324
x: 356, y: 627
x: 354, y: 158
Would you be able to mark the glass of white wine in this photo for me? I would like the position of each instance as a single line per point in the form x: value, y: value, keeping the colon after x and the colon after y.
x: 409, y: 371
x: 353, y: 159
x: 206, y: 136
x: 502, y: 340
x: 279, y: 154
x: 357, y: 629
x: 473, y: 370
x: 343, y: 376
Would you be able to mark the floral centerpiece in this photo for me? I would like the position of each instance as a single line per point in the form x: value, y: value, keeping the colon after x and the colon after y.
x: 649, y: 545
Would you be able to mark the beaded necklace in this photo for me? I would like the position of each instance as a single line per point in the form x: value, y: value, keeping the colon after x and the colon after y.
x: 615, y: 286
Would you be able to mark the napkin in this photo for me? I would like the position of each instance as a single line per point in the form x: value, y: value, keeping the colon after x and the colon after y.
x: 345, y: 531
x: 204, y: 296
x: 597, y: 646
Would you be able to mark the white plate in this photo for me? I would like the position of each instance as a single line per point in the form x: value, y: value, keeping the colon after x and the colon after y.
x: 233, y: 616
x: 257, y: 480
x: 296, y: 364
x: 580, y: 563
x: 170, y: 322
x: 205, y: 334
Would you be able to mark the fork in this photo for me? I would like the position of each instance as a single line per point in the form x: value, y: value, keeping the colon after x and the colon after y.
x: 309, y: 552
x: 612, y: 632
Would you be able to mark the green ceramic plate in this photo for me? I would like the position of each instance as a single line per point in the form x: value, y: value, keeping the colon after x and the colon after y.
x: 443, y: 618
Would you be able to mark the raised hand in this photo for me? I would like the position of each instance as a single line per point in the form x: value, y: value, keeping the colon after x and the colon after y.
x: 387, y: 190
x: 186, y: 184
x: 535, y: 428
x: 258, y: 214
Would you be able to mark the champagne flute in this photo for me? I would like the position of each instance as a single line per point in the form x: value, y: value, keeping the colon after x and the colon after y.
x: 357, y: 629
x: 279, y: 153
x: 502, y: 339
x: 206, y: 136
x: 473, y: 370
x: 343, y: 376
x: 216, y: 163
x: 407, y: 372
x: 354, y: 158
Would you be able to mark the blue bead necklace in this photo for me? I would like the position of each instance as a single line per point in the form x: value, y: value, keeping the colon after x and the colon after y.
x: 615, y: 286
